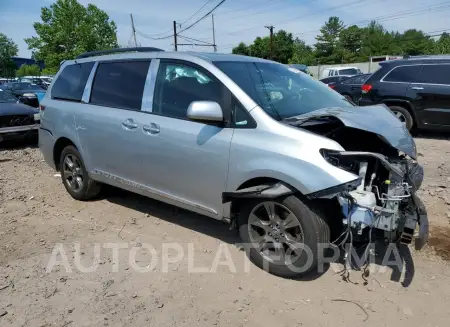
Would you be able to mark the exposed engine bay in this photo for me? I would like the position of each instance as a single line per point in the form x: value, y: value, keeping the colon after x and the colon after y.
x: 382, y: 200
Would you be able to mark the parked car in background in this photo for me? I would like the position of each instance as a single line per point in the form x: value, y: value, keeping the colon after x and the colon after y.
x: 333, y: 79
x: 25, y: 92
x: 287, y: 161
x: 416, y: 89
x: 17, y: 120
x: 350, y: 87
x: 300, y: 67
x: 340, y: 71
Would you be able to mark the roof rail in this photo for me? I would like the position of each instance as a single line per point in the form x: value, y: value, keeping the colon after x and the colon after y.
x: 117, y: 50
x: 427, y: 56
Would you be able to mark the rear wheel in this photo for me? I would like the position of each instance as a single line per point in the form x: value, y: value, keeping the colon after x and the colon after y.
x: 282, y: 235
x: 403, y: 115
x: 74, y: 176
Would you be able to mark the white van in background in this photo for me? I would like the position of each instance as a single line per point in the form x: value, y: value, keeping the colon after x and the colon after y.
x: 340, y: 71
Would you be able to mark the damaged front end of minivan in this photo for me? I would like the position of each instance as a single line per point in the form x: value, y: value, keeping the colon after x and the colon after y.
x: 381, y: 154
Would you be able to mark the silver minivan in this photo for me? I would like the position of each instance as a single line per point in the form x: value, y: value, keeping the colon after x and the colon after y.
x: 288, y: 162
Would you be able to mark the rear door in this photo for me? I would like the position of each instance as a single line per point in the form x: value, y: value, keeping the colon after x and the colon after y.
x: 110, y: 125
x: 395, y: 84
x: 353, y: 86
x: 431, y: 95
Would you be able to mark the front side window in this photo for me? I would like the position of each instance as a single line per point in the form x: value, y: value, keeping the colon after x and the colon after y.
x: 283, y: 92
x: 405, y: 74
x: 178, y: 85
x: 70, y: 83
x: 435, y: 74
x: 120, y: 84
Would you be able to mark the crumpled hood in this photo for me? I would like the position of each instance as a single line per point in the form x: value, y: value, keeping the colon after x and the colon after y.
x: 12, y: 108
x: 377, y: 119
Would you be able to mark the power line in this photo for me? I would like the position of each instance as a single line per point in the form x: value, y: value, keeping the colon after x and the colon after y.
x: 394, y: 16
x: 203, y: 17
x: 152, y: 36
x: 269, y: 2
x: 204, y: 5
x: 147, y: 36
x: 288, y: 20
x: 195, y: 40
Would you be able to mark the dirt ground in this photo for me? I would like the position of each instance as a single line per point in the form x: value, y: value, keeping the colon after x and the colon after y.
x: 37, y: 216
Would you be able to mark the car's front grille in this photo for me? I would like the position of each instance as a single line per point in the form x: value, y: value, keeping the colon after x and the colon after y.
x: 16, y: 120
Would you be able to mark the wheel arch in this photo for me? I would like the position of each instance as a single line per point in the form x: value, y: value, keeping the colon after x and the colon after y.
x: 60, y: 144
x: 235, y: 204
x: 404, y: 104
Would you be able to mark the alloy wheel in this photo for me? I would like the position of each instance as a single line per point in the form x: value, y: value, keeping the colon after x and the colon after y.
x: 73, y: 173
x: 275, y: 233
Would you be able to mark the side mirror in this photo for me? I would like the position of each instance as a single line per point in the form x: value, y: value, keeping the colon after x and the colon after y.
x: 205, y: 111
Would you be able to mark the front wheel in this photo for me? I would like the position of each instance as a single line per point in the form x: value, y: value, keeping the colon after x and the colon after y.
x: 282, y: 235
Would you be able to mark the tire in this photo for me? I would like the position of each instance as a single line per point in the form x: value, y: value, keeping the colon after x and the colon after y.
x: 313, y: 228
x: 76, y: 180
x: 404, y: 116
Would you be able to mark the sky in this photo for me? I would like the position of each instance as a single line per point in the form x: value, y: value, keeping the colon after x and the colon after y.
x: 235, y: 20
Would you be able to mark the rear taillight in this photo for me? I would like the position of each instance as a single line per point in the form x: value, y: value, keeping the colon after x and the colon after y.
x: 331, y: 86
x: 365, y: 88
x: 41, y: 108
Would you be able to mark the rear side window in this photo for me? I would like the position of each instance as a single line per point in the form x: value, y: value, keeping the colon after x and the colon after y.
x: 407, y: 74
x: 435, y: 74
x: 120, y: 84
x: 70, y: 83
x: 349, y: 71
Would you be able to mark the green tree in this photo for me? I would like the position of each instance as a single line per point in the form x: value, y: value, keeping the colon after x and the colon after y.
x: 328, y: 41
x: 69, y: 29
x: 302, y: 53
x: 443, y: 44
x: 260, y: 47
x: 8, y: 49
x: 49, y: 71
x: 282, y: 47
x: 241, y: 49
x: 350, y: 43
x: 377, y: 41
x: 28, y: 70
x: 414, y: 42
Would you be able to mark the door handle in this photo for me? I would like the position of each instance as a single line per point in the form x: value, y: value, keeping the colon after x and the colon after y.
x: 129, y: 124
x: 417, y: 88
x: 152, y: 128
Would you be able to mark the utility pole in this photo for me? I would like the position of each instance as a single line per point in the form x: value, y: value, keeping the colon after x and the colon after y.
x: 134, y: 30
x: 175, y: 35
x: 271, y: 27
x: 214, y: 34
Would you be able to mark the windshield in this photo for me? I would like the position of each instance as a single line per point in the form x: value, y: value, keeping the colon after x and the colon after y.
x: 6, y: 97
x: 281, y: 91
x: 349, y: 71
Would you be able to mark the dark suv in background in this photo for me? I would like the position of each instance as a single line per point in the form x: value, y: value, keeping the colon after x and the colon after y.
x: 416, y: 89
